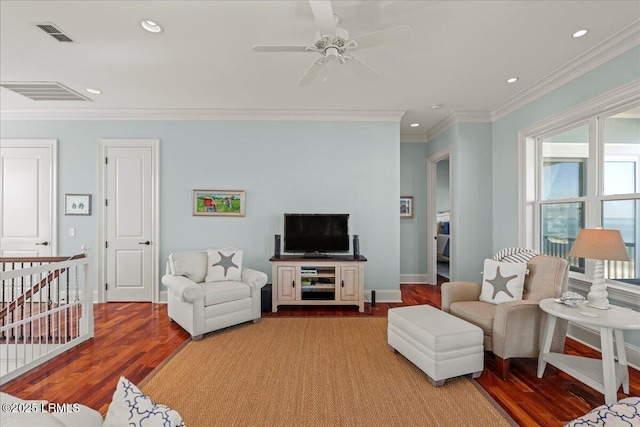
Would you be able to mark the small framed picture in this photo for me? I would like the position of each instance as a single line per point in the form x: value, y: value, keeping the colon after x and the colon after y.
x: 218, y: 202
x: 77, y: 204
x: 406, y: 207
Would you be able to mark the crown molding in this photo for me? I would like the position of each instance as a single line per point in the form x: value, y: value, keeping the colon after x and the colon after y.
x: 616, y: 98
x: 416, y: 138
x: 617, y: 44
x: 458, y: 117
x: 212, y: 114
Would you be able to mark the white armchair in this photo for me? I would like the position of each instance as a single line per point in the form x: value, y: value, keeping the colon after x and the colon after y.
x: 201, y: 307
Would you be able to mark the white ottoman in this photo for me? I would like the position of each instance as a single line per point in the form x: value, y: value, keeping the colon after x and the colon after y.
x: 440, y: 344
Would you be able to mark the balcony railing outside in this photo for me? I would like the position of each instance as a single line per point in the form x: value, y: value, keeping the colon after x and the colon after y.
x: 614, y: 270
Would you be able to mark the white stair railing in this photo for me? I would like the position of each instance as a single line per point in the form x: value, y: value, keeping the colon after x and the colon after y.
x: 46, y: 308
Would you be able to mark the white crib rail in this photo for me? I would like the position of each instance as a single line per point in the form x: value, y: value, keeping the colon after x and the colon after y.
x: 47, y: 309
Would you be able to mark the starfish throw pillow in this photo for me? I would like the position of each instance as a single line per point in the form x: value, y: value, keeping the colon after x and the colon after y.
x: 502, y: 281
x: 224, y: 264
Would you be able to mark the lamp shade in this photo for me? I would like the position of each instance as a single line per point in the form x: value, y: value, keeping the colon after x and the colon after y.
x: 599, y: 244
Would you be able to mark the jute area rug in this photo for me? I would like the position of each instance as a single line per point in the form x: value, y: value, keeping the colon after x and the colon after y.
x: 310, y: 372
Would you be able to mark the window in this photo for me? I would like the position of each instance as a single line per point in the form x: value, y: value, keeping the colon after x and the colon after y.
x: 586, y: 175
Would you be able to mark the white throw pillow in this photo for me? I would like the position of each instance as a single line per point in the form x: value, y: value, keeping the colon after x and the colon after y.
x: 131, y: 407
x: 192, y: 265
x: 502, y: 281
x: 224, y: 264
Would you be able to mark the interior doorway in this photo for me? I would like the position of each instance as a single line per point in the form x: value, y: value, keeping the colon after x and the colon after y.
x: 440, y: 216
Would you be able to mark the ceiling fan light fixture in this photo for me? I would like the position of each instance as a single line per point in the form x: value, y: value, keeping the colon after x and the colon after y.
x: 331, y: 53
x: 332, y: 43
x: 151, y: 26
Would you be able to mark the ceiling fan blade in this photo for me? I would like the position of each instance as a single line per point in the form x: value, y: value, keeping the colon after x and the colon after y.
x: 323, y: 14
x: 311, y: 73
x: 282, y: 48
x: 360, y: 68
x: 390, y: 35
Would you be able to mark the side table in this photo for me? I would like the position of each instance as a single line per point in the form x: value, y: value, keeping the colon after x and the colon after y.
x: 604, y: 375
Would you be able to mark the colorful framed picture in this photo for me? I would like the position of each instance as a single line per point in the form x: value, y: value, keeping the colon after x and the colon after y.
x: 406, y: 207
x: 218, y: 202
x: 77, y: 204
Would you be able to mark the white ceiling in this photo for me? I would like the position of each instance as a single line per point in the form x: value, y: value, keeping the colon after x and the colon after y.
x: 459, y: 55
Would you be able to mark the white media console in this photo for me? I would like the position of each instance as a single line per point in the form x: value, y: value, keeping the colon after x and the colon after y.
x: 306, y: 280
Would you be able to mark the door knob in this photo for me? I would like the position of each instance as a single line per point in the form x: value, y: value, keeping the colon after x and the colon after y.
x: 43, y: 243
x: 145, y: 243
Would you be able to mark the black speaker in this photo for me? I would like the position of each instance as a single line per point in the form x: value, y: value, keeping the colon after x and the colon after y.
x: 356, y: 246
x: 373, y: 298
x: 276, y: 245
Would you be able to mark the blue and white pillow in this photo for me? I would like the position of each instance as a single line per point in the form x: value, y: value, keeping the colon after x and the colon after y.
x: 623, y: 413
x: 131, y: 407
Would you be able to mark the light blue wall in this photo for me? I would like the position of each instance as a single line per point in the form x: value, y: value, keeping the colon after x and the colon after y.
x: 413, y: 231
x: 620, y: 70
x: 471, y: 163
x: 471, y: 221
x: 344, y: 167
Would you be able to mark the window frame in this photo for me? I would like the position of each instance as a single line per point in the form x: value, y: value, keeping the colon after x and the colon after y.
x: 531, y: 162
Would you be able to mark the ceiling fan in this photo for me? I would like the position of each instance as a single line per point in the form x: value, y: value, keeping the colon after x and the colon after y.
x: 333, y: 43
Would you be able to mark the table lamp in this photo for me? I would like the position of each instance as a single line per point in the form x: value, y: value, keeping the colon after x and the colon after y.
x: 599, y: 244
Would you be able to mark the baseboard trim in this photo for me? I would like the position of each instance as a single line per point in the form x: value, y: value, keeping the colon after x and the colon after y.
x: 384, y: 295
x: 417, y: 279
x: 163, y: 297
x: 591, y: 338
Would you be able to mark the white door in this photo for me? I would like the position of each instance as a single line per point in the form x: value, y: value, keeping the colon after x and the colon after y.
x: 129, y: 214
x: 27, y: 186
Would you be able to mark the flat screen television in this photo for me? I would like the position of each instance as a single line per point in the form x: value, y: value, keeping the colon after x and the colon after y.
x: 316, y: 233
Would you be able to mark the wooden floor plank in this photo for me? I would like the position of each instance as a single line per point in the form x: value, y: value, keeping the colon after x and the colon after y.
x: 132, y: 339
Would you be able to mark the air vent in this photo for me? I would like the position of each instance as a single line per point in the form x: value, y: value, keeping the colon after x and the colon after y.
x: 54, y: 32
x: 44, y: 91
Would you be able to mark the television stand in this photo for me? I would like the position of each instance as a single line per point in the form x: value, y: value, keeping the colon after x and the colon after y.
x: 317, y: 279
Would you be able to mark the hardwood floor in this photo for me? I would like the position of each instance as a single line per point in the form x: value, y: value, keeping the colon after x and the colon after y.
x: 132, y: 339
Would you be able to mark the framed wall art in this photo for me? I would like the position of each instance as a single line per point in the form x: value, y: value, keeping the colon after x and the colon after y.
x: 77, y: 204
x: 406, y: 207
x: 218, y: 202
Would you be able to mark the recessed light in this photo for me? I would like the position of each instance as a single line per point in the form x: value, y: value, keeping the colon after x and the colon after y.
x: 512, y: 80
x: 414, y: 125
x: 94, y: 91
x: 435, y: 107
x: 579, y: 33
x: 151, y: 26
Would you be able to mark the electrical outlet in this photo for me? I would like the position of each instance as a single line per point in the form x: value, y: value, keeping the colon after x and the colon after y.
x: 72, y: 232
